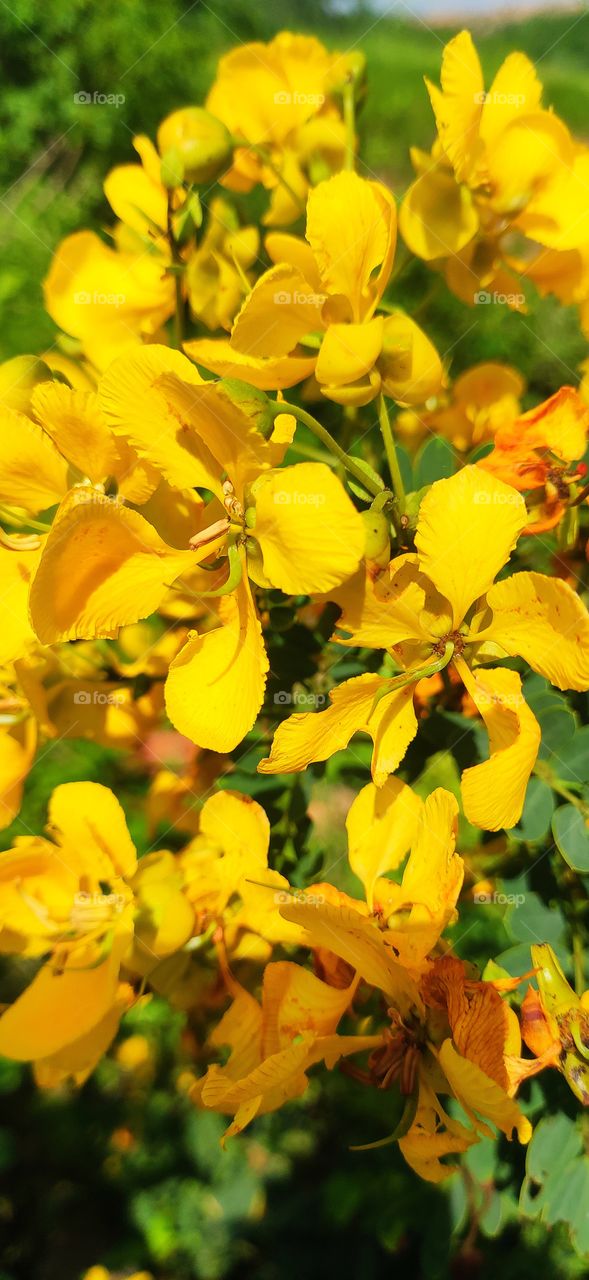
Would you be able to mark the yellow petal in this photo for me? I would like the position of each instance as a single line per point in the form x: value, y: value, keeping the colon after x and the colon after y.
x: 266, y: 91
x: 281, y: 308
x: 165, y: 916
x: 102, y: 566
x: 437, y: 217
x: 73, y: 421
x: 459, y: 105
x: 296, y: 253
x: 137, y: 408
x: 310, y: 534
x: 544, y: 621
x: 409, y: 365
x: 17, y: 569
x: 348, y: 352
x: 317, y: 735
x: 465, y: 534
x: 561, y: 424
x: 78, y: 1060
x: 17, y: 752
x: 479, y: 1094
x: 215, y: 686
x: 433, y: 1135
x: 88, y: 818
x: 522, y: 162
x: 279, y: 1078
x: 431, y: 882
x: 285, y: 208
x: 493, y: 793
x: 60, y: 1006
x: 225, y: 422
x: 384, y: 610
x: 107, y: 299
x: 18, y: 377
x: 361, y: 943
x: 352, y: 230
x: 276, y: 373
x: 136, y: 198
x: 296, y: 1001
x: 238, y: 825
x: 33, y: 474
x: 381, y: 826
x: 515, y: 91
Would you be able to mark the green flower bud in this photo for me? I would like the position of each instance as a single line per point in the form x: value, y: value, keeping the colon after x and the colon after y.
x: 378, y: 544
x: 203, y: 143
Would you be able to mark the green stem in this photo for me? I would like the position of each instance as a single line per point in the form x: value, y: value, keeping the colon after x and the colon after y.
x: 178, y: 261
x: 412, y: 677
x: 543, y: 771
x: 23, y: 521
x: 324, y: 436
x: 393, y: 461
x: 578, y: 964
x: 314, y: 455
x: 350, y: 124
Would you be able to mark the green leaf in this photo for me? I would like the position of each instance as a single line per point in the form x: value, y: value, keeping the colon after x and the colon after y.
x: 537, y: 813
x: 571, y: 834
x: 554, y: 1143
x: 573, y: 762
x: 558, y: 727
x: 532, y: 921
x: 435, y: 461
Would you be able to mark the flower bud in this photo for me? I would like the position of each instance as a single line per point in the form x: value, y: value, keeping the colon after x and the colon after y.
x: 378, y: 545
x: 202, y: 142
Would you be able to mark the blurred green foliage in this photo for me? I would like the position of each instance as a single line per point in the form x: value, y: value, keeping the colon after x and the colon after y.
x: 126, y: 1173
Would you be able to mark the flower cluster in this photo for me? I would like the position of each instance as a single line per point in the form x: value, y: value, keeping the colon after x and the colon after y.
x: 187, y: 552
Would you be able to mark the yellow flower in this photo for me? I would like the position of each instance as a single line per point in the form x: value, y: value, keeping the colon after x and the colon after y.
x: 82, y: 907
x: 479, y: 403
x: 227, y: 879
x: 68, y: 904
x: 109, y: 299
x: 502, y: 163
x: 325, y: 294
x: 275, y: 96
x: 66, y: 446
x: 273, y: 1044
x: 104, y: 565
x: 440, y: 606
x: 216, y: 278
x: 445, y: 1034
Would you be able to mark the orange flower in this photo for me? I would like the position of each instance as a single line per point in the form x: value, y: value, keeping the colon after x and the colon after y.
x: 537, y: 452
